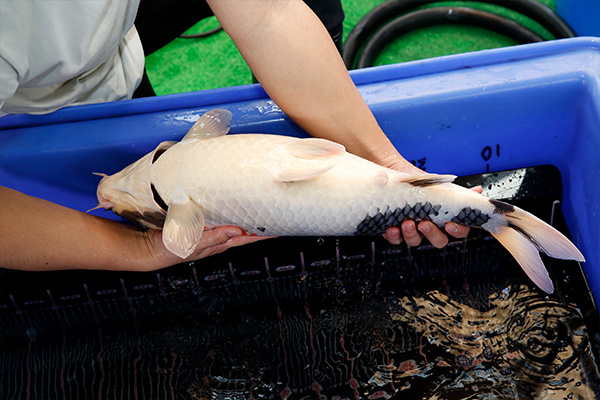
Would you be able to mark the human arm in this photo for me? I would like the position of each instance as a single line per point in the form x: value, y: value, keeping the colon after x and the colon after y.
x: 36, y: 234
x: 292, y: 55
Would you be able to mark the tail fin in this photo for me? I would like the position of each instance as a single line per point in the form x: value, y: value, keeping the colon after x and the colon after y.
x: 525, y: 236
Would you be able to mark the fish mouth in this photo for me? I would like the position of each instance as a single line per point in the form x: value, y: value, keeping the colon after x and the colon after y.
x: 103, y: 202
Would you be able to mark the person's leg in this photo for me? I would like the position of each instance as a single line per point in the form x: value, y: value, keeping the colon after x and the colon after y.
x: 159, y: 22
x: 330, y: 12
x: 145, y: 88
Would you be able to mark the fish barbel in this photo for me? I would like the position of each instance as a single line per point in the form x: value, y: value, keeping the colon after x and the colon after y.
x: 285, y: 186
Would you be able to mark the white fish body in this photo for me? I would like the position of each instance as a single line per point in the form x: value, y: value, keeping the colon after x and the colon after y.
x: 285, y: 186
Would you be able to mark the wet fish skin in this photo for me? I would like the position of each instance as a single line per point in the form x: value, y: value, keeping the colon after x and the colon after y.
x: 285, y: 186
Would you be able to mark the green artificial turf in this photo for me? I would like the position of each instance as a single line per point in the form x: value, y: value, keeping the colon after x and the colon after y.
x: 186, y: 65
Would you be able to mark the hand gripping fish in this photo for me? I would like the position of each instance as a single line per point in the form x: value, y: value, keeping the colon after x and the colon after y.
x: 285, y: 186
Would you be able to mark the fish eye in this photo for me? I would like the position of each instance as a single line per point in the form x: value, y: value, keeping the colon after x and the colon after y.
x: 158, y: 200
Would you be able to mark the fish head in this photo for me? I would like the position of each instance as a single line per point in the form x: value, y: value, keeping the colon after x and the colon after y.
x: 131, y: 194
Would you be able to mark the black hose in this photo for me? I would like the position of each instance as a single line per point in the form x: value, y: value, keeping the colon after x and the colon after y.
x: 442, y: 15
x: 533, y: 9
x: 202, y: 34
x: 371, y: 22
x: 540, y: 13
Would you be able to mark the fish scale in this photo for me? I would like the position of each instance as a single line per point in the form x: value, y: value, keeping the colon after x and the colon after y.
x: 285, y: 186
x: 377, y: 224
x: 342, y: 206
x: 471, y: 217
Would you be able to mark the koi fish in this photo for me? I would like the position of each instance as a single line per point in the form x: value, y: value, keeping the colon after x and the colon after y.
x: 285, y: 186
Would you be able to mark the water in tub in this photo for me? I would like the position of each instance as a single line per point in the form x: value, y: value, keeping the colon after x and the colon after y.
x: 314, y: 318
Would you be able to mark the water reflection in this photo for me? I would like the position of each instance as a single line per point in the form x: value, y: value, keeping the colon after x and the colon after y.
x: 525, y: 346
x: 332, y: 319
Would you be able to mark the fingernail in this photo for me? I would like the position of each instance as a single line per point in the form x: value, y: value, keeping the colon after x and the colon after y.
x: 233, y: 232
x: 408, y: 227
x: 452, y: 228
x: 424, y: 227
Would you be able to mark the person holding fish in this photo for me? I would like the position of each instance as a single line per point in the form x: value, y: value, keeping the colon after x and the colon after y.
x: 57, y: 54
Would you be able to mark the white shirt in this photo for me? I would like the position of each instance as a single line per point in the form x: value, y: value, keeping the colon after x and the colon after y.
x: 55, y: 53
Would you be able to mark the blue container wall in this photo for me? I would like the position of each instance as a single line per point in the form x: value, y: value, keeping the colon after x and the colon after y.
x: 485, y: 111
x: 582, y: 15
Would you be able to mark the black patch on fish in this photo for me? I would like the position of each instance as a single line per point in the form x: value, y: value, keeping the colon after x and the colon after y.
x: 153, y: 218
x: 377, y: 224
x: 261, y: 228
x: 471, y: 217
x: 501, y: 207
x: 158, y: 200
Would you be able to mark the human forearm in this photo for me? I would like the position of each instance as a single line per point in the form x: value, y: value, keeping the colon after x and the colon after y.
x: 297, y: 63
x: 39, y: 235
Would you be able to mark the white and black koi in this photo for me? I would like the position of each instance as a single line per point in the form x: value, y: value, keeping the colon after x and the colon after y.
x: 285, y: 186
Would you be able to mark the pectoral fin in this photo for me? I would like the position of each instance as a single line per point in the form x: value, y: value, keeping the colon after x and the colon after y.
x: 211, y: 124
x: 183, y: 228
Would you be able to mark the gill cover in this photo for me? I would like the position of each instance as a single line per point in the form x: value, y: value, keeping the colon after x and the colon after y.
x: 129, y: 192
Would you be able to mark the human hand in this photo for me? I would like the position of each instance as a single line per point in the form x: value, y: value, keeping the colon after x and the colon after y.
x: 413, y: 233
x: 213, y: 241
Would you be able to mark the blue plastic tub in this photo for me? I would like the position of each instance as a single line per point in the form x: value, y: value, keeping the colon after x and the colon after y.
x: 582, y: 15
x: 532, y: 104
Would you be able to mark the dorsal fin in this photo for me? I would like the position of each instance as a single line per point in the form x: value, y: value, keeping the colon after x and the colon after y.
x: 422, y: 180
x: 213, y: 123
